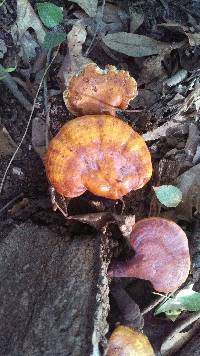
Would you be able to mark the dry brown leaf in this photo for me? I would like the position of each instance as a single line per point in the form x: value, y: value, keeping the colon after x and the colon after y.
x: 162, y: 130
x: 3, y: 48
x: 74, y: 59
x: 7, y: 145
x: 178, y: 118
x: 19, y: 206
x: 189, y: 184
x: 38, y: 136
x: 193, y: 38
x: 26, y: 18
x: 136, y: 21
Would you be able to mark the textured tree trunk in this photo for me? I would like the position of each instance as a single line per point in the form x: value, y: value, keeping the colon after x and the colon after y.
x: 47, y: 292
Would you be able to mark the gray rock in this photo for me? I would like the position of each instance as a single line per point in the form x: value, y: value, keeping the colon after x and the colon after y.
x: 47, y: 292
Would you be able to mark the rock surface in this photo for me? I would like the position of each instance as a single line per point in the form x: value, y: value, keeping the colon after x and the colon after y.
x: 47, y: 292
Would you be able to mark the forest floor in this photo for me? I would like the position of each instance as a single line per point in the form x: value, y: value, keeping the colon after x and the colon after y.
x: 51, y: 265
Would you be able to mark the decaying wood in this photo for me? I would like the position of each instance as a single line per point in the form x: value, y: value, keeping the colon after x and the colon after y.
x: 48, y: 292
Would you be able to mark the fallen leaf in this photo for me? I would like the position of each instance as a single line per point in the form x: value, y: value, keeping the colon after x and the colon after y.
x: 3, y: 48
x: 74, y: 60
x: 50, y: 14
x: 192, y: 142
x: 134, y: 45
x: 4, y: 71
x: 189, y: 184
x: 162, y: 130
x: 193, y: 38
x: 176, y: 78
x: 19, y: 206
x: 110, y: 13
x: 89, y: 6
x: 173, y: 315
x: 38, y: 136
x: 26, y: 18
x: 136, y: 20
x: 178, y: 118
x: 53, y: 39
x: 7, y: 145
x: 29, y: 47
x: 186, y: 299
x: 168, y: 195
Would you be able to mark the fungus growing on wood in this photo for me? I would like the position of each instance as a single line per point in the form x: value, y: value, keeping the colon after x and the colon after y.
x: 96, y: 91
x: 161, y: 255
x: 99, y: 153
x: 125, y: 341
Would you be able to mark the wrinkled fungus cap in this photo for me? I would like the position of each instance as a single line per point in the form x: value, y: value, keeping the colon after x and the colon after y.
x: 125, y: 341
x: 96, y: 91
x: 99, y: 153
x: 161, y: 255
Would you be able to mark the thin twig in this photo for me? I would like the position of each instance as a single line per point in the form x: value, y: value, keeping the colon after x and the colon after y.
x: 29, y: 121
x: 153, y: 304
x: 46, y: 104
x: 182, y: 326
x: 97, y: 29
x: 11, y: 202
x: 12, y: 86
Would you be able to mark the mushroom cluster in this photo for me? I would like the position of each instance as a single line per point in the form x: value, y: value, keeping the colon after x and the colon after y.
x: 98, y: 152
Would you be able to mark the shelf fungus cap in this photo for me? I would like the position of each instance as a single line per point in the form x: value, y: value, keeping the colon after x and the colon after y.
x: 99, y: 153
x: 161, y: 255
x: 96, y: 91
x: 125, y: 341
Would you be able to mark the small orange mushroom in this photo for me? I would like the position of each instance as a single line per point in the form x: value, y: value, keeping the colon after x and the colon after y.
x: 96, y: 91
x: 99, y: 153
x: 125, y: 341
x: 161, y: 255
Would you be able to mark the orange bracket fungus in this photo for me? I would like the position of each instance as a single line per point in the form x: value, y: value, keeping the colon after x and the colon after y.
x: 161, y: 255
x: 125, y: 341
x: 96, y: 91
x: 99, y: 153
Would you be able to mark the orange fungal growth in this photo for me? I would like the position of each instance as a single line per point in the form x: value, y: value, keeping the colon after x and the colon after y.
x: 125, y: 341
x: 161, y: 255
x: 99, y: 153
x: 96, y: 91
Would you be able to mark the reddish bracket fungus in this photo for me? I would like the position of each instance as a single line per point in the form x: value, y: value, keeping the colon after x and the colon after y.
x: 161, y: 255
x: 125, y: 341
x: 99, y: 153
x: 96, y: 91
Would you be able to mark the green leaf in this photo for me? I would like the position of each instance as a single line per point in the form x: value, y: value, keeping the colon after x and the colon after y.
x: 173, y: 315
x: 89, y: 6
x: 186, y: 299
x: 168, y: 195
x: 53, y: 39
x: 50, y: 14
x: 133, y: 45
x: 4, y: 71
